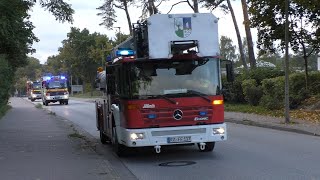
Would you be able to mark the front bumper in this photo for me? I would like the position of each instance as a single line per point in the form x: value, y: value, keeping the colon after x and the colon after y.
x: 36, y: 96
x: 164, y: 136
x: 57, y: 98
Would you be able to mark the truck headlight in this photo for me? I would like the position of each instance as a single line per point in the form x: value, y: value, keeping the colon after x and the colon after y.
x: 135, y: 136
x: 218, y: 131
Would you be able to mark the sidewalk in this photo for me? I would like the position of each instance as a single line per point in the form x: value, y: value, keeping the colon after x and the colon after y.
x: 298, y: 126
x: 36, y: 145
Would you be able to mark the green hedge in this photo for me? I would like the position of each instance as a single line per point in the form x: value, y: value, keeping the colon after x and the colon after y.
x: 273, y: 90
x: 266, y: 87
x: 233, y: 92
x: 6, y: 75
x: 251, y: 91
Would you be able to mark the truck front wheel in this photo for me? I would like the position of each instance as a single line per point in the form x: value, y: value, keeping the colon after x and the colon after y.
x: 119, y: 149
x: 208, y: 147
x: 104, y: 138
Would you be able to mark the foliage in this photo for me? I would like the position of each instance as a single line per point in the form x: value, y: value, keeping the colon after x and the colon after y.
x: 108, y: 12
x: 232, y: 91
x: 259, y: 74
x: 273, y: 90
x: 268, y: 16
x: 16, y: 36
x: 251, y: 91
x: 273, y: 93
x: 32, y: 71
x: 6, y: 75
x: 227, y: 49
x: 81, y: 54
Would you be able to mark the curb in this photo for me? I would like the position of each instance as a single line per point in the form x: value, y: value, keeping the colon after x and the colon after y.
x: 253, y: 123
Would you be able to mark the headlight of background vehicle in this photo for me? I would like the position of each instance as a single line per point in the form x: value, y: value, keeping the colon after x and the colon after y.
x: 218, y: 131
x: 135, y: 136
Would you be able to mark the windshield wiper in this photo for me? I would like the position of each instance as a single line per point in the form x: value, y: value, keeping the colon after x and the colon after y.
x: 163, y: 97
x: 200, y: 94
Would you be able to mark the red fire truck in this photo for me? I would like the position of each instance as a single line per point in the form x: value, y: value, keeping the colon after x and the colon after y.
x: 33, y: 90
x: 162, y: 86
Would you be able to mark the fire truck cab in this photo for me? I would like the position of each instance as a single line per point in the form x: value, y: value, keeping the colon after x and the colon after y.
x: 34, y: 90
x: 54, y: 89
x: 163, y: 86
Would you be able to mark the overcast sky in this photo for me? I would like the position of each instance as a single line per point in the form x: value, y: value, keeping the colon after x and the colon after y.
x: 51, y: 32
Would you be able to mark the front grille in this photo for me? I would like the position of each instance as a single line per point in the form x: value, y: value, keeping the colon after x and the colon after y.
x: 178, y: 132
x: 165, y: 115
x: 56, y: 93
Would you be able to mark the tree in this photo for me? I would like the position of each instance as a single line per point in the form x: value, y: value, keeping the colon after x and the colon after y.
x: 82, y: 53
x: 149, y: 7
x: 212, y: 4
x: 108, y: 12
x: 246, y: 22
x: 227, y: 49
x: 16, y: 36
x: 268, y: 16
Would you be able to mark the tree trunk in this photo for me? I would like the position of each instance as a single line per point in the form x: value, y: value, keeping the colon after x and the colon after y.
x: 252, y: 58
x: 242, y: 57
x: 150, y: 9
x: 125, y: 4
x: 195, y: 6
x: 306, y: 70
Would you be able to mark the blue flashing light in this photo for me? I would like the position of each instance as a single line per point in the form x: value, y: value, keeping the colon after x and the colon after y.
x: 108, y: 58
x: 152, y: 116
x: 63, y: 77
x: 47, y: 78
x: 125, y: 53
x: 202, y: 113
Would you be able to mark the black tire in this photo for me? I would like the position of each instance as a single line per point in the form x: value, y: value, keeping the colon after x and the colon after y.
x: 46, y: 103
x: 104, y: 138
x: 66, y: 102
x: 119, y: 149
x: 208, y: 148
x: 60, y: 102
x: 32, y: 100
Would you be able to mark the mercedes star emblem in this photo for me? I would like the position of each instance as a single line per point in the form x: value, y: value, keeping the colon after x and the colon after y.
x: 177, y: 114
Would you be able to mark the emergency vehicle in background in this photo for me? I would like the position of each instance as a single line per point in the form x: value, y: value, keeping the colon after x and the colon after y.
x: 54, y: 89
x: 162, y: 86
x: 33, y: 90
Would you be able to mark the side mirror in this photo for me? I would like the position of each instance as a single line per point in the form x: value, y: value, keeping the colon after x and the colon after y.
x: 230, y: 72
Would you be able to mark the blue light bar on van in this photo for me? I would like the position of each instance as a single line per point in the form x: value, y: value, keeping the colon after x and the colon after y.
x: 47, y: 78
x: 125, y: 53
x: 63, y: 77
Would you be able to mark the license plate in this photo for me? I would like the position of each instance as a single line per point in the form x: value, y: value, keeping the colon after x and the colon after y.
x: 179, y: 139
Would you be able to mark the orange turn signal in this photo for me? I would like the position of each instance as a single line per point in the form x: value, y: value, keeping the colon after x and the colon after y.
x: 132, y: 107
x: 217, y: 102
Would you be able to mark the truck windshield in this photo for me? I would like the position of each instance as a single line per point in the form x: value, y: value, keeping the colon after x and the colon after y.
x: 174, y: 78
x: 56, y: 84
x: 36, y: 85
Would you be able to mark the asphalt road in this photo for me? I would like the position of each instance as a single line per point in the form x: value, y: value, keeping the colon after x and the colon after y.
x: 249, y: 153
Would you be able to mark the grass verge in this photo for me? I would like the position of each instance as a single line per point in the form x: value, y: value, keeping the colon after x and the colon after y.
x: 39, y: 106
x: 4, y: 109
x: 76, y: 135
x: 302, y: 114
x: 246, y: 108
